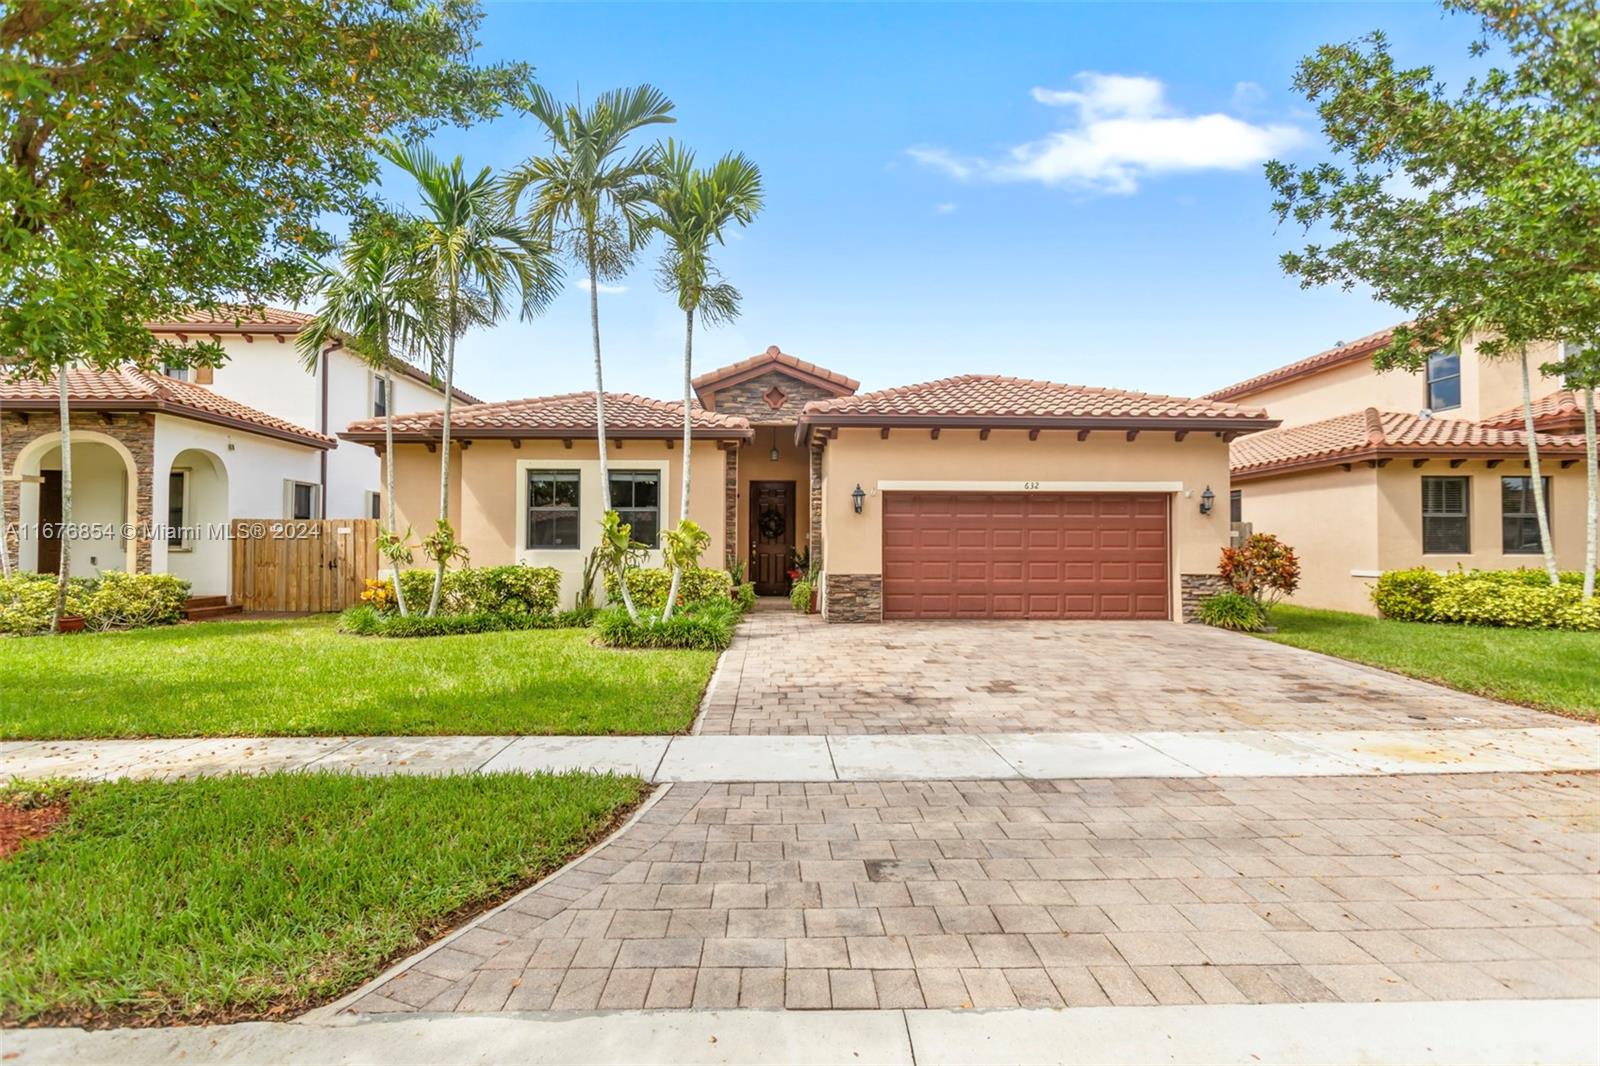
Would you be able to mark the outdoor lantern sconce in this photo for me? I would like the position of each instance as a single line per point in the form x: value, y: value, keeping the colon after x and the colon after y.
x: 858, y: 497
x: 773, y: 454
x: 1207, y: 498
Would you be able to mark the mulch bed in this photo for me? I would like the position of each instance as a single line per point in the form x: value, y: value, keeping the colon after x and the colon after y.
x: 19, y: 825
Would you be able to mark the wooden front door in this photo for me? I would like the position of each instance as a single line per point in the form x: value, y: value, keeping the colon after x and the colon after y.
x: 50, y: 522
x: 771, y: 535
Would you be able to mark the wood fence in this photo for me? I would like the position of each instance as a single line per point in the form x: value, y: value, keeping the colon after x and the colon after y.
x: 317, y: 565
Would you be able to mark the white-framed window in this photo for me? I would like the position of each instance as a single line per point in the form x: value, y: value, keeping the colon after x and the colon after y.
x: 380, y: 397
x: 374, y: 505
x: 636, y: 497
x: 302, y: 500
x: 177, y: 510
x: 176, y: 373
x: 1519, y: 517
x: 553, y: 500
x: 1444, y: 381
x: 1446, y: 516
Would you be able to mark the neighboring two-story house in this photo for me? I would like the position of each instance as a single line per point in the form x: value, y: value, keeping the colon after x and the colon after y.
x: 162, y: 463
x: 1372, y: 471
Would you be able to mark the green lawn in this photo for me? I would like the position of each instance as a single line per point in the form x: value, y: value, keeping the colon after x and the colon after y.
x: 303, y: 678
x: 1549, y: 669
x: 236, y: 897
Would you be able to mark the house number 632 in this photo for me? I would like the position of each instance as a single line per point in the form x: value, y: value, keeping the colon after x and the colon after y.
x: 1029, y: 485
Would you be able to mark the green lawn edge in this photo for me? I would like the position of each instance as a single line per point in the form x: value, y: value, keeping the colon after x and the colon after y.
x: 1548, y: 670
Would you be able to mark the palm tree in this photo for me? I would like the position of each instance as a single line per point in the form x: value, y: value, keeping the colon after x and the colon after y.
x: 380, y: 305
x: 472, y: 246
x: 693, y: 207
x: 590, y: 197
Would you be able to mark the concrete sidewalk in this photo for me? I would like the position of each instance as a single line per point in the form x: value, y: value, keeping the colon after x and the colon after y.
x: 1040, y: 756
x: 1534, y: 1031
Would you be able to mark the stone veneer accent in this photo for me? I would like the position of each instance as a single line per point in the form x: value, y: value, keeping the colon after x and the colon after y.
x: 730, y: 505
x: 1196, y: 587
x: 853, y: 597
x: 816, y: 502
x: 749, y: 398
x: 136, y: 431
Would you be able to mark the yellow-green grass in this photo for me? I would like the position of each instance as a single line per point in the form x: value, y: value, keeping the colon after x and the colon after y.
x: 304, y: 678
x: 237, y: 897
x: 1549, y: 669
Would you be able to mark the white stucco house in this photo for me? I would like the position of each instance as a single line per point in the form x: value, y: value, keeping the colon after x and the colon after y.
x: 163, y: 462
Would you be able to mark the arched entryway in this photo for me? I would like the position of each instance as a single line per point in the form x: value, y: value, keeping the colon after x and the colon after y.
x: 104, y: 504
x: 195, y: 519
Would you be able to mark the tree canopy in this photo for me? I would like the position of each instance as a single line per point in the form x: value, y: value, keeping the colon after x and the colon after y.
x: 158, y: 155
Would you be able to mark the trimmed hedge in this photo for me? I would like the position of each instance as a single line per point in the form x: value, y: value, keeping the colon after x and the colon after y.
x: 114, y: 600
x: 368, y: 622
x: 649, y: 585
x: 707, y: 626
x: 525, y: 590
x: 1519, y: 599
x: 1232, y: 610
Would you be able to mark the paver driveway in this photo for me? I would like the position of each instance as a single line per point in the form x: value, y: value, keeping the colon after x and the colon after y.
x: 788, y: 673
x: 998, y: 894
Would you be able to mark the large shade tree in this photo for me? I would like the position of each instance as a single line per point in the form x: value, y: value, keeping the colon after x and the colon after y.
x: 694, y: 208
x: 589, y: 195
x: 480, y: 259
x: 162, y: 157
x: 1476, y: 209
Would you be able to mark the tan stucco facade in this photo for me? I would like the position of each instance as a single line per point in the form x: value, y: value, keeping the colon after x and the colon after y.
x: 1488, y: 387
x: 1008, y: 461
x: 488, y: 496
x: 1347, y: 526
x: 756, y: 464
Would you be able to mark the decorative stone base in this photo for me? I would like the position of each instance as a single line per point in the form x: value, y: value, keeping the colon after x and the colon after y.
x: 853, y: 597
x: 1197, y: 587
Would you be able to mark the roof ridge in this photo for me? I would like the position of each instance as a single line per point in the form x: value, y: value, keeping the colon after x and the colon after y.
x: 1374, y: 423
x: 1327, y: 357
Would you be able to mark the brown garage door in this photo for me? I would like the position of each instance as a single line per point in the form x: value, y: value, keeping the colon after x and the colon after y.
x: 1024, y: 555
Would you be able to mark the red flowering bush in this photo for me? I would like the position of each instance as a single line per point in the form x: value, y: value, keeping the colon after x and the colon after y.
x: 1265, y: 569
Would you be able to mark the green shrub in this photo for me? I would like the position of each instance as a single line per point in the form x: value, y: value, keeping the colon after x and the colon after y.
x: 114, y: 600
x: 800, y: 596
x: 1519, y: 599
x: 1407, y: 595
x: 1232, y: 610
x: 649, y: 587
x: 744, y: 594
x: 28, y: 600
x: 708, y: 625
x: 364, y: 621
x: 513, y: 589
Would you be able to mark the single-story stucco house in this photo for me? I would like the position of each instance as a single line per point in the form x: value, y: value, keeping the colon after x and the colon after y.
x: 978, y: 496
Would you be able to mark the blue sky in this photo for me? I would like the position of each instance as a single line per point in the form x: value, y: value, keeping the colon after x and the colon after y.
x: 1071, y: 192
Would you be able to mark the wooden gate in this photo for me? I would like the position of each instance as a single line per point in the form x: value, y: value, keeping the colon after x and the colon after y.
x: 316, y: 565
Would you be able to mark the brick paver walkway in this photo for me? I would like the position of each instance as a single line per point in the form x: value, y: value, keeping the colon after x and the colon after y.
x: 998, y: 894
x: 788, y: 673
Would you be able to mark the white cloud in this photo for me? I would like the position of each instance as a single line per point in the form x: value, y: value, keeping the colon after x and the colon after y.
x: 1248, y: 96
x: 583, y: 283
x: 946, y: 208
x: 1121, y: 129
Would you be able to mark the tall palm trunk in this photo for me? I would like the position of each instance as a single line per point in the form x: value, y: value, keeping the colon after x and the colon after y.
x: 683, y: 494
x: 63, y: 541
x: 1533, y: 472
x: 5, y: 529
x: 444, y: 434
x: 1591, y: 557
x: 388, y: 478
x: 600, y: 419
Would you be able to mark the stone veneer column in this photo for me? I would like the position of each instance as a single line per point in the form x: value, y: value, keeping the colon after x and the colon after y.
x: 854, y: 597
x: 730, y: 504
x: 136, y: 432
x: 815, y: 546
x: 1196, y: 587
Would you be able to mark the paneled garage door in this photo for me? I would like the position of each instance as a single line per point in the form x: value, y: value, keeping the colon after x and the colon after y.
x: 1024, y: 555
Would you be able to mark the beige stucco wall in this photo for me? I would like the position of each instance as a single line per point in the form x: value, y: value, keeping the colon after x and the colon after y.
x: 1007, y: 461
x: 1347, y: 526
x: 1330, y: 518
x: 1487, y: 388
x: 488, y: 496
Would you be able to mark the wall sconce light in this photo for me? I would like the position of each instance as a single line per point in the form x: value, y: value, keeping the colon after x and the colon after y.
x: 773, y: 454
x: 1207, y: 498
x: 858, y: 497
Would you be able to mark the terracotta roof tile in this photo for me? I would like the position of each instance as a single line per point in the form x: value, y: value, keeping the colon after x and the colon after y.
x: 268, y: 319
x: 129, y: 389
x: 1374, y: 434
x: 1558, y: 412
x: 774, y: 357
x: 1342, y: 353
x: 979, y: 397
x: 568, y: 415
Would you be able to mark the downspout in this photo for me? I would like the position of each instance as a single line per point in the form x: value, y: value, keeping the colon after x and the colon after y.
x: 322, y: 427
